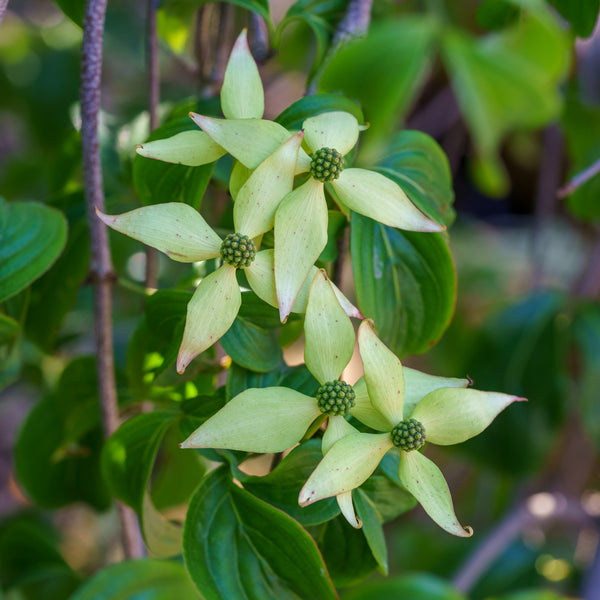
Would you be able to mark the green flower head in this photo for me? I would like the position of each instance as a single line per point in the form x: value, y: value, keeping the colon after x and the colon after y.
x: 410, y: 407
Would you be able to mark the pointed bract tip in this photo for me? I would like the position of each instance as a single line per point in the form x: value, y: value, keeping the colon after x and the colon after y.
x: 242, y: 39
x: 284, y: 310
x: 139, y: 147
x: 182, y: 363
x: 468, y: 531
x: 433, y: 227
x: 520, y: 399
x: 106, y: 219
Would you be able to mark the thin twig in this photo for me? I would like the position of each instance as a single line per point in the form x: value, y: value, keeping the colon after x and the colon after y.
x: 579, y: 180
x: 3, y: 5
x: 509, y: 529
x: 588, y: 284
x: 153, y: 99
x: 545, y: 200
x: 101, y: 265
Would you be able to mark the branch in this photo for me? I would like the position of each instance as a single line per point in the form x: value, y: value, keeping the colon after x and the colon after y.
x: 3, y: 5
x: 579, y: 180
x: 101, y: 265
x: 539, y: 509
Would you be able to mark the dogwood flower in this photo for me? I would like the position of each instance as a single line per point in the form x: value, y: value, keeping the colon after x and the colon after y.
x: 242, y: 97
x: 181, y: 232
x: 433, y: 412
x: 274, y: 419
x: 301, y: 219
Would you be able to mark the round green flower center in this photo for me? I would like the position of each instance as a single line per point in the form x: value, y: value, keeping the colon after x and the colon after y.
x: 326, y: 164
x: 238, y: 250
x: 335, y: 398
x: 409, y: 435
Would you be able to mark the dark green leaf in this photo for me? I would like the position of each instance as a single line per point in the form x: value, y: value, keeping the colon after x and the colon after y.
x: 372, y: 527
x: 415, y: 587
x: 57, y: 453
x: 257, y: 311
x: 586, y: 332
x: 309, y: 106
x: 74, y: 9
x: 346, y: 552
x: 54, y: 295
x: 361, y: 70
x: 239, y: 379
x: 582, y: 14
x: 496, y: 14
x: 419, y: 166
x: 282, y: 486
x: 384, y: 489
x: 31, y: 562
x: 9, y: 329
x: 252, y: 346
x: 405, y: 281
x: 33, y: 236
x: 336, y: 225
x: 129, y: 454
x: 521, y: 350
x: 149, y: 579
x: 236, y: 546
x: 581, y: 123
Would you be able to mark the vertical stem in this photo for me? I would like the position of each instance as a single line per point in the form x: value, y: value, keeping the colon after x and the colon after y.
x: 101, y: 265
x: 153, y: 100
x: 3, y: 5
x: 545, y: 201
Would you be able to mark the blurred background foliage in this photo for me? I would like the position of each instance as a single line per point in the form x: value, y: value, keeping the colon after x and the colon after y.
x: 508, y: 89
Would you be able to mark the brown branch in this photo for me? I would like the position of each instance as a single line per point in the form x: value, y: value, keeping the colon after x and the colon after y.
x: 101, y: 265
x: 508, y: 530
x: 579, y: 180
x: 545, y: 200
x: 588, y: 285
x: 3, y: 5
x: 153, y: 99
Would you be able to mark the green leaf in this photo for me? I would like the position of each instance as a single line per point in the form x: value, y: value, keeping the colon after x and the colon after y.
x: 390, y: 499
x: 74, y: 9
x: 9, y: 328
x: 361, y: 68
x: 309, y: 106
x: 496, y: 14
x: 586, y: 333
x: 251, y: 346
x: 33, y: 236
x: 149, y: 579
x: 346, y: 552
x: 319, y: 16
x: 31, y: 562
x: 415, y: 587
x: 513, y: 347
x: 230, y: 532
x: 419, y: 166
x: 129, y: 454
x: 281, y: 487
x: 372, y: 527
x: 54, y: 295
x: 405, y: 281
x: 157, y: 182
x: 582, y: 14
x: 260, y: 7
x: 509, y: 80
x: 57, y: 453
x: 581, y: 124
x: 257, y: 311
x: 240, y: 379
x: 127, y: 460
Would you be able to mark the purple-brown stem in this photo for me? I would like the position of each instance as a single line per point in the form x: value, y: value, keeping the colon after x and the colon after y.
x: 101, y: 265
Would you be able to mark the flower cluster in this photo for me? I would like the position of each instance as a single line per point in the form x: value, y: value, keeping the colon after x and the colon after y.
x: 404, y: 408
